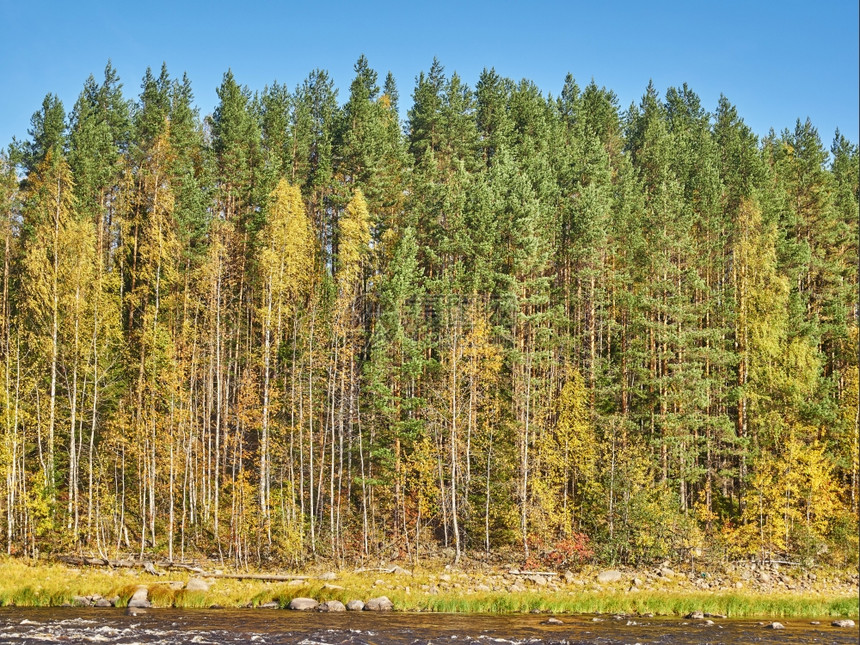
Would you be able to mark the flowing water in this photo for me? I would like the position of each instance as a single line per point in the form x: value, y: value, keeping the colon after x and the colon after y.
x: 20, y: 625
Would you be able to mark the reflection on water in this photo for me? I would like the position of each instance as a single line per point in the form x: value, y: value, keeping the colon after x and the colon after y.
x: 276, y: 626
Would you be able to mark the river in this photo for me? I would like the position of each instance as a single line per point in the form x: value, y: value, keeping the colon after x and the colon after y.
x: 67, y: 625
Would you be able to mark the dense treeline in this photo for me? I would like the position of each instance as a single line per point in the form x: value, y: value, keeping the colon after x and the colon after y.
x: 299, y: 328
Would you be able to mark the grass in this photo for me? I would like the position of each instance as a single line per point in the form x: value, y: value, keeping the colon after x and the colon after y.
x: 43, y: 585
x: 657, y: 603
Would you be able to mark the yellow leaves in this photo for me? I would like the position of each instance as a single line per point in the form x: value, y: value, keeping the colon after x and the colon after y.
x: 574, y: 428
x: 421, y: 478
x: 353, y: 240
x: 566, y: 455
x: 483, y: 358
x: 782, y: 369
x: 286, y: 256
x: 792, y: 496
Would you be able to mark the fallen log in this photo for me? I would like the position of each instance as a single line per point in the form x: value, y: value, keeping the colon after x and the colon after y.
x: 271, y: 577
x: 516, y: 572
x: 149, y: 567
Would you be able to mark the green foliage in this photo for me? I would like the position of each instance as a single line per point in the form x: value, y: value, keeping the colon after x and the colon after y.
x: 299, y: 328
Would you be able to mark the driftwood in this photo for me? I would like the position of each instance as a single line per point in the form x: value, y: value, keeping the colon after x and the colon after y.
x: 516, y: 572
x: 272, y: 577
x: 149, y: 567
x: 127, y: 563
x: 786, y: 562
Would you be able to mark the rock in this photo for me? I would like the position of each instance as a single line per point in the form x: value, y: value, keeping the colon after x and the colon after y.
x: 552, y: 620
x: 354, y: 605
x: 400, y: 571
x: 197, y: 584
x: 330, y: 587
x: 296, y: 583
x: 381, y: 603
x: 303, y: 604
x: 568, y: 576
x: 103, y: 602
x: 739, y: 585
x: 81, y: 601
x: 637, y: 582
x: 666, y: 572
x: 331, y: 605
x: 216, y: 606
x: 814, y: 622
x: 708, y: 623
x: 330, y: 575
x: 517, y: 588
x: 764, y: 576
x: 482, y: 588
x: 842, y: 623
x: 140, y: 599
x: 540, y: 581
x: 695, y: 615
x: 609, y: 576
x: 445, y: 577
x: 377, y: 583
x: 774, y: 625
x: 272, y: 604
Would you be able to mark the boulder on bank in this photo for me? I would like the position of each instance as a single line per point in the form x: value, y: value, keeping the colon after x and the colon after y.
x: 608, y: 576
x: 197, y: 584
x: 331, y: 605
x: 303, y: 604
x: 842, y: 623
x: 355, y: 605
x: 382, y: 603
x: 140, y: 599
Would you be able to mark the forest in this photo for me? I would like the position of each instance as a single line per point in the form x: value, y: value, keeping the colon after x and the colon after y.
x: 303, y: 328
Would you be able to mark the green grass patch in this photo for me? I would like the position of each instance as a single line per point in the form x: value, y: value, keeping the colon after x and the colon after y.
x: 191, y: 600
x: 161, y: 595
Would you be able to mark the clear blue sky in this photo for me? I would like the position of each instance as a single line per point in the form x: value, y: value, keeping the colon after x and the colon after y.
x: 776, y: 61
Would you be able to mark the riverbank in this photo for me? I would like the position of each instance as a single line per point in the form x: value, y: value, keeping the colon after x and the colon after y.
x: 733, y: 591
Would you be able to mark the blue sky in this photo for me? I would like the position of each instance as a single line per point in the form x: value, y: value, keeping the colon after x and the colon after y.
x: 776, y: 61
